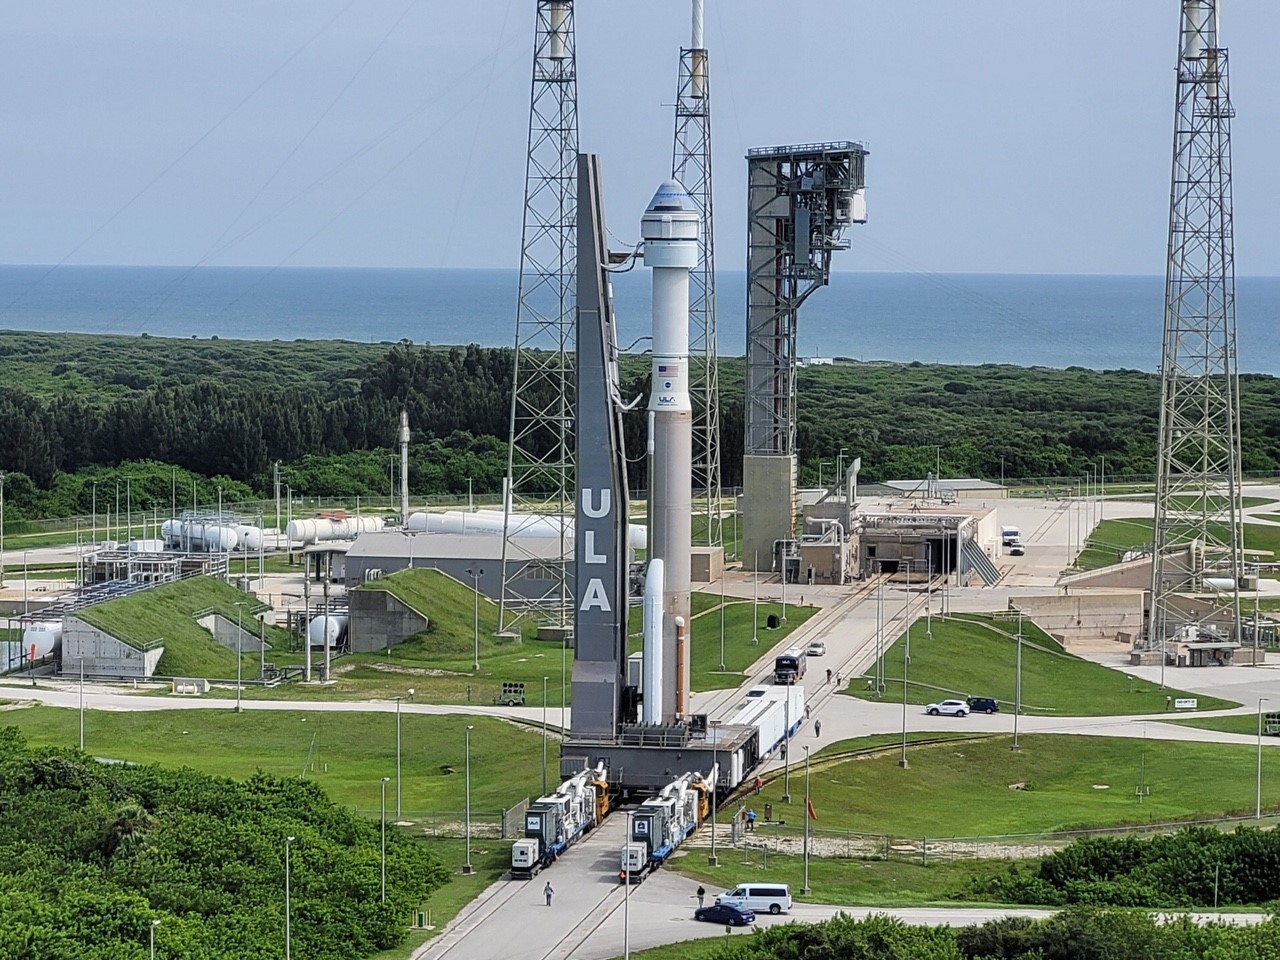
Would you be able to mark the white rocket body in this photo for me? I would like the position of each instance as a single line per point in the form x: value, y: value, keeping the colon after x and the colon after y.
x: 669, y: 229
x: 404, y: 466
x: 651, y: 675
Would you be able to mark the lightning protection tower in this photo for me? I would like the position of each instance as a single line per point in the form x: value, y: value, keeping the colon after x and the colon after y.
x: 540, y: 459
x: 1197, y: 545
x: 691, y: 167
x: 800, y: 200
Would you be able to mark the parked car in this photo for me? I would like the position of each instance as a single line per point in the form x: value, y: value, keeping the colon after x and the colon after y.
x: 724, y: 913
x: 948, y: 708
x: 817, y: 649
x: 1016, y: 550
x: 984, y: 705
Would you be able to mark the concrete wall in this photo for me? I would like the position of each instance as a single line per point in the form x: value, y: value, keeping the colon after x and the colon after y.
x: 768, y: 507
x: 378, y: 619
x: 224, y: 631
x: 489, y: 581
x: 103, y: 654
x: 1084, y: 618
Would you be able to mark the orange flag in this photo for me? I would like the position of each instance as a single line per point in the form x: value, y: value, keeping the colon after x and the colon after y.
x: 812, y: 814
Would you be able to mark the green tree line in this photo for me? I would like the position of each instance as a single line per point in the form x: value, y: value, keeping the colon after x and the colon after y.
x: 329, y: 414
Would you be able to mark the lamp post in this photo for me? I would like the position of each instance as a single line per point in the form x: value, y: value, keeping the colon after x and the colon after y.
x: 1, y: 529
x: 384, y: 838
x: 786, y: 753
x: 476, y: 573
x: 544, y: 736
x: 626, y: 894
x: 82, y: 704
x: 879, y: 637
x: 805, y: 888
x: 840, y: 466
x: 928, y: 592
x: 288, y: 933
x: 1257, y: 809
x: 906, y: 663
x: 755, y: 602
x: 712, y: 860
x: 466, y: 867
x: 722, y: 621
x: 154, y: 924
x: 1017, y: 688
x: 1102, y: 486
x: 239, y: 637
x: 397, y: 700
x: 95, y: 513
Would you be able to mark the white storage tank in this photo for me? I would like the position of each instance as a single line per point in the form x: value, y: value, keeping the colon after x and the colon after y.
x: 250, y: 538
x: 326, y: 631
x: 42, y: 639
x: 219, y: 539
x: 490, y: 523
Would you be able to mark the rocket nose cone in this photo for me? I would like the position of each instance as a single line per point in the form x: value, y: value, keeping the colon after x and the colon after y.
x: 671, y: 198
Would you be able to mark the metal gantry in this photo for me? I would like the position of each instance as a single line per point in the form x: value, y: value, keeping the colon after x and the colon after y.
x: 1197, y: 536
x: 540, y: 461
x: 691, y: 167
x: 800, y: 200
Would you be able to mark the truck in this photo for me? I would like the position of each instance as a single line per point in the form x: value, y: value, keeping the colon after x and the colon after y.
x: 664, y: 822
x: 555, y: 822
x: 1009, y: 536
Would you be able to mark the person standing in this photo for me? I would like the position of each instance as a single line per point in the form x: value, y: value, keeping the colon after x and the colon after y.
x: 702, y: 893
x: 751, y: 821
x: 548, y: 892
x: 817, y: 727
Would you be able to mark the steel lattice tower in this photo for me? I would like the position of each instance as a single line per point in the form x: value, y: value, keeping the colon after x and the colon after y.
x: 1197, y: 532
x: 540, y: 460
x: 691, y: 167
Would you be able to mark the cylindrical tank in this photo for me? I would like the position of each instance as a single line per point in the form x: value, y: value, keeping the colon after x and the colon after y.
x: 302, y: 531
x: 42, y: 639
x: 171, y: 530
x: 1219, y: 583
x: 219, y: 538
x: 250, y: 538
x: 326, y: 630
x: 490, y: 522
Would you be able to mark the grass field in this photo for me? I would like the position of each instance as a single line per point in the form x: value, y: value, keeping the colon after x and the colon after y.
x: 1111, y: 538
x: 977, y: 656
x: 963, y: 789
x: 346, y: 753
x: 164, y: 613
x: 866, y: 883
x: 1245, y: 723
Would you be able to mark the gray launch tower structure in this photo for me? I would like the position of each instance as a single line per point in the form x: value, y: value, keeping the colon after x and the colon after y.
x: 691, y: 167
x: 540, y: 458
x: 800, y: 201
x: 1197, y: 536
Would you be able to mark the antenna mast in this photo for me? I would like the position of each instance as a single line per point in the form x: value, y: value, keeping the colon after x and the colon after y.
x: 540, y: 458
x: 1197, y: 536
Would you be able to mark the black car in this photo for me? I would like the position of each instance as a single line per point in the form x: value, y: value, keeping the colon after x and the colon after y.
x: 723, y: 913
x: 984, y: 705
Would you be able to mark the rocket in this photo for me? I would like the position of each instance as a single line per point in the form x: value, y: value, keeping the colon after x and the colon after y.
x: 669, y: 229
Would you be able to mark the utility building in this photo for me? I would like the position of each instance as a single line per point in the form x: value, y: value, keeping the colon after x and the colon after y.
x: 800, y: 201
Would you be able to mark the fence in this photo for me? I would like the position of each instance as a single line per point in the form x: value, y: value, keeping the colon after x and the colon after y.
x: 485, y: 824
x: 780, y: 837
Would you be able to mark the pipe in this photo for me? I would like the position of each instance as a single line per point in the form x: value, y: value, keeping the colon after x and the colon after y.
x: 682, y: 669
x: 651, y: 673
x: 558, y: 16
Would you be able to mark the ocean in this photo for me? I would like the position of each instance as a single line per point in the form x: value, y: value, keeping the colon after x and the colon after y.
x: 1101, y: 322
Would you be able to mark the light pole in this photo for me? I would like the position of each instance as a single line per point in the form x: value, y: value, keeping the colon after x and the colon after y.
x: 154, y: 924
x: 626, y: 894
x: 722, y: 621
x: 786, y: 753
x: 1017, y: 688
x: 397, y: 700
x: 239, y: 638
x: 879, y: 637
x: 906, y: 663
x: 755, y: 602
x: 476, y: 573
x: 288, y: 933
x: 384, y: 838
x: 1102, y: 486
x: 713, y: 860
x: 1, y: 529
x: 1257, y: 809
x: 840, y: 466
x: 82, y: 704
x: 466, y: 867
x: 95, y: 514
x: 807, y: 803
x: 928, y: 592
x: 544, y: 736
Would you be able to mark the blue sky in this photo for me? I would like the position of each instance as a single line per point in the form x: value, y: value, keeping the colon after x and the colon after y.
x: 1006, y: 135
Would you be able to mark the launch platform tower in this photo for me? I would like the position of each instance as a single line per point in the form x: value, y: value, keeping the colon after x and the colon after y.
x: 540, y: 458
x: 1197, y: 542
x: 800, y: 201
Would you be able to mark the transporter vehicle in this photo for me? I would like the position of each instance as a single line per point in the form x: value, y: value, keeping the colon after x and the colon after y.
x: 948, y: 708
x: 758, y: 897
x: 554, y: 823
x: 789, y: 666
x: 664, y: 822
x: 984, y: 705
x: 723, y: 913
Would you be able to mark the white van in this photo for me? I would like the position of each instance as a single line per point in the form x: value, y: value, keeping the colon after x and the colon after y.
x: 758, y: 897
